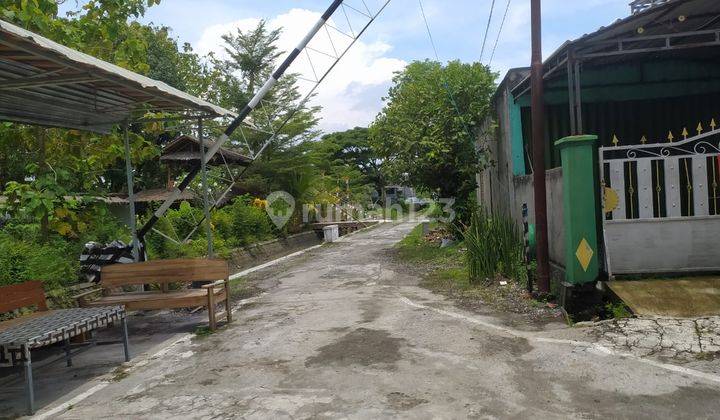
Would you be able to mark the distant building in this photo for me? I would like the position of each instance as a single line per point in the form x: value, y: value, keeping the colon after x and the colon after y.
x: 398, y: 193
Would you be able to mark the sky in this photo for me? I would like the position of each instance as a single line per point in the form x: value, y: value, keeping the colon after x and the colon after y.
x: 352, y: 94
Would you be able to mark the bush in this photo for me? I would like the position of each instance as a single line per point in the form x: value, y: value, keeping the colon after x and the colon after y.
x: 242, y: 223
x: 54, y: 263
x: 235, y: 225
x: 494, y: 247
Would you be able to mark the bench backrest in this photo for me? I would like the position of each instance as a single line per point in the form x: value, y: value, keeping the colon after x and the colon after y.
x: 163, y: 271
x: 22, y: 295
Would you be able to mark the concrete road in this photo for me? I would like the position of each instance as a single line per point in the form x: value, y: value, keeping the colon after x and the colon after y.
x: 343, y: 332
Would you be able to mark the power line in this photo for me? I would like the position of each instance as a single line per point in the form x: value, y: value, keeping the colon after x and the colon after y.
x: 487, y: 30
x: 445, y: 81
x: 507, y: 8
x: 427, y: 26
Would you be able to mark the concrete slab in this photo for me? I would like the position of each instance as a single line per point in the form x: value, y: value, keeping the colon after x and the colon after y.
x: 345, y: 332
x: 682, y: 297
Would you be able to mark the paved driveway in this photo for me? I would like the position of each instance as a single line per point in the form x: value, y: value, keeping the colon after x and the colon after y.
x: 342, y: 332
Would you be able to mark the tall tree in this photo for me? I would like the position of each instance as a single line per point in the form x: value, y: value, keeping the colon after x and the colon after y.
x: 252, y: 58
x: 253, y: 53
x: 428, y: 128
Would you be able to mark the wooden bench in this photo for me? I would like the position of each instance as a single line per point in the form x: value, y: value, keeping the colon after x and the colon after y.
x: 163, y: 273
x: 20, y: 335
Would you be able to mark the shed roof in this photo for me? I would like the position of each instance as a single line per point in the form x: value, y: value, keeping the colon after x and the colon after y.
x: 152, y: 195
x: 187, y: 148
x: 675, y: 28
x: 46, y: 83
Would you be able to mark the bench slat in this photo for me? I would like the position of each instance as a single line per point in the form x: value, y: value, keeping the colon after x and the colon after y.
x: 22, y: 295
x: 164, y: 271
x: 155, y: 300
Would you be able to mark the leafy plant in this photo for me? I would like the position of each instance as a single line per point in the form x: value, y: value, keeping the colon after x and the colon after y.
x: 617, y: 310
x: 494, y: 247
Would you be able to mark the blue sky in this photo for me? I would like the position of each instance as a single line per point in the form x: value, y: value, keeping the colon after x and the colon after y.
x: 352, y: 96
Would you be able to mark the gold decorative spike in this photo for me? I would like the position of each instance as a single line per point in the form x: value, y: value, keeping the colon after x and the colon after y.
x: 700, y: 128
x: 615, y: 140
x: 712, y: 124
x: 643, y: 140
x: 670, y: 136
x: 685, y: 133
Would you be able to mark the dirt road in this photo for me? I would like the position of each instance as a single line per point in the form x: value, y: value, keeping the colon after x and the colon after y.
x: 342, y: 332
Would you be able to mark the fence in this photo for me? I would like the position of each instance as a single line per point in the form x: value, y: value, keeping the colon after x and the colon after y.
x: 662, y: 204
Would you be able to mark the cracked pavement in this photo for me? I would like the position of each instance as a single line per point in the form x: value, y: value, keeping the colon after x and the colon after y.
x: 343, y: 332
x: 681, y: 339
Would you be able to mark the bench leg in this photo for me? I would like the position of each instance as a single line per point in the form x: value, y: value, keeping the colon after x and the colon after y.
x: 228, y: 307
x: 211, y: 309
x: 29, y: 389
x: 126, y: 344
x: 68, y: 355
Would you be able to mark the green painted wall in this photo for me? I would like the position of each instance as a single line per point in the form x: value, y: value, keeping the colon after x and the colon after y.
x: 516, y: 138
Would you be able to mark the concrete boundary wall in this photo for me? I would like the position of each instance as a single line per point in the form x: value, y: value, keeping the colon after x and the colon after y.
x: 252, y: 255
x: 523, y: 187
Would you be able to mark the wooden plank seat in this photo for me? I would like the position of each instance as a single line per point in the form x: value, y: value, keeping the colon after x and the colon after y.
x: 20, y: 335
x: 164, y: 273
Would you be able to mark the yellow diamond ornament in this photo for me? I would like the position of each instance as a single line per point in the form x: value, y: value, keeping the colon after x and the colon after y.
x: 584, y: 254
x: 612, y: 200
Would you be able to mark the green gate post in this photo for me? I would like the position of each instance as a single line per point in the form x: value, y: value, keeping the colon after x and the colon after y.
x: 580, y: 183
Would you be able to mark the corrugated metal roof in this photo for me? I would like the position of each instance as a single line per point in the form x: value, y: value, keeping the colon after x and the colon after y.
x: 46, y: 83
x: 645, y: 29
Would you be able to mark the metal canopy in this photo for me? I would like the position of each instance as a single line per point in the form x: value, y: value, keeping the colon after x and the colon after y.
x: 675, y: 28
x: 45, y: 83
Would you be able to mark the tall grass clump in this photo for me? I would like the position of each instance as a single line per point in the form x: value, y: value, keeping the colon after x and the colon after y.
x: 494, y: 247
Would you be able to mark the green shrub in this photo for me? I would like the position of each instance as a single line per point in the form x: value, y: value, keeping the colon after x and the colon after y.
x: 54, y: 263
x: 244, y: 223
x: 494, y: 247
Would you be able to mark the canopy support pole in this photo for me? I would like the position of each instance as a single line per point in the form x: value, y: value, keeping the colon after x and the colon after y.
x: 206, y: 192
x: 131, y: 194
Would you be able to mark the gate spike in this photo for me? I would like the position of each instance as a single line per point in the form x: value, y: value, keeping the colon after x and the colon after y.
x: 700, y: 128
x: 685, y: 133
x: 643, y: 140
x: 615, y: 140
x: 712, y: 124
x: 670, y: 136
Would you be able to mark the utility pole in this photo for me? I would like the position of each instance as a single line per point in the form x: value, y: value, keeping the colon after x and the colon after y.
x: 538, y: 142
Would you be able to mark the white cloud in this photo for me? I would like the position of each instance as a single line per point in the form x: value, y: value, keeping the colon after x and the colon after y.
x: 350, y: 94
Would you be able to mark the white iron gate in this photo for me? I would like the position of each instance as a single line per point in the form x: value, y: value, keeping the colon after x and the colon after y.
x: 662, y: 204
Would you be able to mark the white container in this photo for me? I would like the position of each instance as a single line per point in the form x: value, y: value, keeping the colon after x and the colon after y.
x: 331, y: 233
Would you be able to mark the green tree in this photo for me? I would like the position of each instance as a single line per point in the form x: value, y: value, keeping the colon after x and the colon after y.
x: 427, y: 130
x: 252, y: 53
x: 252, y: 58
x: 350, y: 150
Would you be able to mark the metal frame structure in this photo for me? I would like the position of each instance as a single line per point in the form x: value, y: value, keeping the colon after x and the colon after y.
x: 48, y: 84
x: 258, y: 100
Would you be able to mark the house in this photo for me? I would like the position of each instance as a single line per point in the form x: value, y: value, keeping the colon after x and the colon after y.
x: 648, y: 86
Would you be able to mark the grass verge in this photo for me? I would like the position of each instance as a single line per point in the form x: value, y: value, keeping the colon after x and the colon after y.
x: 445, y: 272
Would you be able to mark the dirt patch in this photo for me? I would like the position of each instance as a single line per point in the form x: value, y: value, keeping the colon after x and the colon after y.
x: 492, y: 345
x: 402, y: 401
x: 363, y: 346
x: 353, y: 284
x: 371, y: 310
